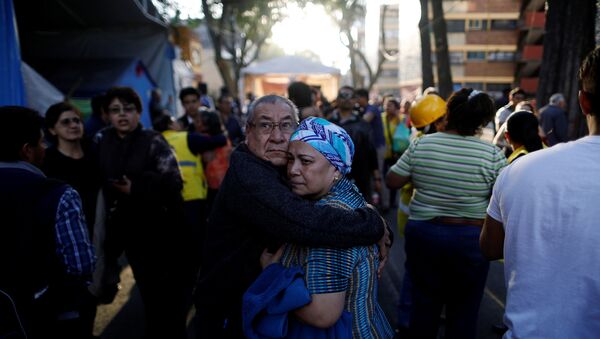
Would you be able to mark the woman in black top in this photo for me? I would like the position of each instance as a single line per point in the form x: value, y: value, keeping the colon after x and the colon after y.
x: 72, y: 162
x: 69, y: 159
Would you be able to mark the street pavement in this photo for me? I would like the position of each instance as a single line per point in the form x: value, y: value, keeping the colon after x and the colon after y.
x: 124, y: 319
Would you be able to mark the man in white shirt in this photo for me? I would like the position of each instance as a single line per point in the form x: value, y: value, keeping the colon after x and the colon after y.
x: 516, y: 96
x: 543, y: 218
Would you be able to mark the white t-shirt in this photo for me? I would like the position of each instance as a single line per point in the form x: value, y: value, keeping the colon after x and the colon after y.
x: 549, y: 203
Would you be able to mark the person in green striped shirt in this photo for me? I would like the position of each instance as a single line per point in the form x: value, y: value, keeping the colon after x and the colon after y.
x: 453, y: 173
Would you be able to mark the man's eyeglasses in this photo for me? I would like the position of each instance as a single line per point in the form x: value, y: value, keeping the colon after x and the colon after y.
x: 67, y: 121
x: 124, y: 109
x: 267, y: 127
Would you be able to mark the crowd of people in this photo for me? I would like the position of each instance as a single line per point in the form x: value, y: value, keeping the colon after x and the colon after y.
x: 270, y: 225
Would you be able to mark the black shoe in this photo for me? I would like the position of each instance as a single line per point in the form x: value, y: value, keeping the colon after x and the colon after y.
x: 401, y: 333
x: 499, y: 328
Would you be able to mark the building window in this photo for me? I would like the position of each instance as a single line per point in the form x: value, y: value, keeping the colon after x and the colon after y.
x: 392, y: 12
x: 454, y: 26
x: 474, y: 85
x: 477, y: 25
x: 391, y: 33
x: 493, y: 87
x: 457, y: 58
x: 501, y: 56
x: 476, y: 55
x: 389, y: 73
x: 504, y: 24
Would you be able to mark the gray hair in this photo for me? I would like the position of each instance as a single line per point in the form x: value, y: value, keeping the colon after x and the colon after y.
x: 556, y: 98
x: 272, y: 99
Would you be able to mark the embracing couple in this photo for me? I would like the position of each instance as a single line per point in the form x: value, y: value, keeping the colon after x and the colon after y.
x: 323, y: 224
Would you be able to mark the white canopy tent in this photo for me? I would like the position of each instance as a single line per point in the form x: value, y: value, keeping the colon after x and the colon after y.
x: 273, y: 76
x: 40, y: 93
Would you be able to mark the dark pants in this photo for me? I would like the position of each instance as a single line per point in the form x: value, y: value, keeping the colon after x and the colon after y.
x: 387, y: 164
x: 447, y: 268
x: 196, y: 213
x: 405, y: 303
x: 162, y: 283
x: 214, y: 323
x: 69, y: 314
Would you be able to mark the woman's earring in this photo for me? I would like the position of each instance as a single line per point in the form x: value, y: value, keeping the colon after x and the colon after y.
x: 336, y: 178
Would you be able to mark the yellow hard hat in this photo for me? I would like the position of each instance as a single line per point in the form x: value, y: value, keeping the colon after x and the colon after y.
x: 426, y: 110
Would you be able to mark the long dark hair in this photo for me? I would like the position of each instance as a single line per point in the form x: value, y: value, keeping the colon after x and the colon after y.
x: 522, y: 127
x: 469, y: 111
x: 212, y: 122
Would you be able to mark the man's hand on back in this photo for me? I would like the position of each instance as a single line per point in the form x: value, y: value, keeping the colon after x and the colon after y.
x: 384, y: 244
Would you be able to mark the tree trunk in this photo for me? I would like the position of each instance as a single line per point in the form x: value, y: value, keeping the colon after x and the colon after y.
x: 441, y: 50
x: 424, y: 29
x: 569, y: 37
x: 215, y: 33
x: 225, y: 71
x: 353, y: 66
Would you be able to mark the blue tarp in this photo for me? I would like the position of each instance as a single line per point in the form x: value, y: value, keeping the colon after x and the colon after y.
x: 85, y: 78
x: 96, y: 29
x: 11, y: 81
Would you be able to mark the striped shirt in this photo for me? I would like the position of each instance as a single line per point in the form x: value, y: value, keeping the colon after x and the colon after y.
x: 73, y: 245
x: 354, y: 270
x: 453, y: 175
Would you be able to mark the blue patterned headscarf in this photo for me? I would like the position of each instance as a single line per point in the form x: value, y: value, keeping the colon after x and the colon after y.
x: 329, y: 139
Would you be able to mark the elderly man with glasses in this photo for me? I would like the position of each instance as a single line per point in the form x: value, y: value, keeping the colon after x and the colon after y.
x: 254, y: 210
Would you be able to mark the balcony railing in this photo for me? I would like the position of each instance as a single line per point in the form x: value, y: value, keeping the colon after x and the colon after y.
x: 532, y: 52
x: 529, y: 85
x: 533, y: 20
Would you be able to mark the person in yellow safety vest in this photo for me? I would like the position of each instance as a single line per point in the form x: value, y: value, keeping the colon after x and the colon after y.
x: 427, y: 115
x: 187, y: 147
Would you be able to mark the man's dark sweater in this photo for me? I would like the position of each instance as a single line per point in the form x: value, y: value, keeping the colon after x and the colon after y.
x: 365, y: 155
x: 255, y: 209
x: 555, y: 124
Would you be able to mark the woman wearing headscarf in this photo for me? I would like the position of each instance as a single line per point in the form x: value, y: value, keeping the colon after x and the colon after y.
x: 342, y: 283
x: 453, y: 173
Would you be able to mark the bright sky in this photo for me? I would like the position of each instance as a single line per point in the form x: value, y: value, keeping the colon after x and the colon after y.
x: 190, y: 8
x: 312, y: 29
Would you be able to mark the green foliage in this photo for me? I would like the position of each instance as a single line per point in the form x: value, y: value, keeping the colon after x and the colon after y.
x: 252, y: 20
x: 238, y: 30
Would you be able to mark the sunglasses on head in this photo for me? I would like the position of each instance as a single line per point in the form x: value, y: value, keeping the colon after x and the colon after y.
x: 346, y: 95
x: 67, y: 121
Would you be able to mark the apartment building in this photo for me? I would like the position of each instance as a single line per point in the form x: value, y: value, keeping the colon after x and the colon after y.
x: 388, y: 81
x: 493, y: 44
x: 483, y: 37
x: 530, y: 47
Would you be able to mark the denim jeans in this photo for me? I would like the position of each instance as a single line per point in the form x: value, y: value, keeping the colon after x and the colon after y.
x: 447, y: 268
x: 405, y: 303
